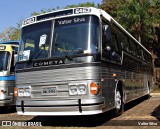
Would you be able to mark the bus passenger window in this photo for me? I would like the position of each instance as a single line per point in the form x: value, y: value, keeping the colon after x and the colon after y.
x: 106, y: 41
x: 114, y: 47
x: 114, y: 44
x: 139, y: 50
x: 133, y: 46
x: 124, y: 43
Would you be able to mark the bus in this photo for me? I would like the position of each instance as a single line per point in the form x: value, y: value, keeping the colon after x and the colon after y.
x: 79, y: 61
x: 8, y: 57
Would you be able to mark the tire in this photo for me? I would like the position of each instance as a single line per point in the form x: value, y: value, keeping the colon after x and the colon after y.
x: 119, y: 104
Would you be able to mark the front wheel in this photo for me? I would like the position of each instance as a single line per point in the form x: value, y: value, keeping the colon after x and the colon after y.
x: 119, y: 104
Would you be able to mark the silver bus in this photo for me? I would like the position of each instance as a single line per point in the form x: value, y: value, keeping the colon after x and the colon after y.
x: 79, y: 61
x: 8, y: 55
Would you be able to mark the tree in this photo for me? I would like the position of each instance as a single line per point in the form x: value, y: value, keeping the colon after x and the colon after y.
x: 134, y: 15
x: 11, y: 33
x: 44, y: 11
x: 112, y: 6
x: 141, y: 19
x: 87, y: 4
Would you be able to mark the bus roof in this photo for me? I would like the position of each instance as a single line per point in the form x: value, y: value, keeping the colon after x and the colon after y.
x: 12, y: 42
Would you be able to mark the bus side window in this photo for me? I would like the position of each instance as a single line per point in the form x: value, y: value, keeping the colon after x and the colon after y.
x: 124, y: 43
x: 106, y: 41
x: 133, y: 46
x: 110, y: 48
x: 114, y: 43
x: 115, y: 52
x: 139, y: 50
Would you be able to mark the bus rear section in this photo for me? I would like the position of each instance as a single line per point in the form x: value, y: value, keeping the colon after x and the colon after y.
x: 7, y: 76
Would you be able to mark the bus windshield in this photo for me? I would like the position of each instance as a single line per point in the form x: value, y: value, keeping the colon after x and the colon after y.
x: 75, y: 35
x: 71, y: 35
x: 4, y: 58
x: 31, y: 38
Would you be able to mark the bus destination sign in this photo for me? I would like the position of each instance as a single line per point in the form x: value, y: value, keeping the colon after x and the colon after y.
x: 82, y: 10
x: 29, y: 21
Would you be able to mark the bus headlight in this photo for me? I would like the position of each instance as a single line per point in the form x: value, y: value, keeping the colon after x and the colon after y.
x: 27, y: 92
x: 24, y: 92
x: 73, y: 90
x: 82, y: 89
x: 20, y: 92
x: 77, y: 89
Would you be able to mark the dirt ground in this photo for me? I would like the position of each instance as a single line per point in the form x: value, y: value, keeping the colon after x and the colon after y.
x: 139, y: 114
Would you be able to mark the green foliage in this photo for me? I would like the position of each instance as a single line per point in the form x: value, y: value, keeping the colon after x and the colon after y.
x: 11, y: 33
x: 137, y: 16
x: 45, y: 11
x: 87, y: 4
x: 140, y: 18
x: 111, y: 6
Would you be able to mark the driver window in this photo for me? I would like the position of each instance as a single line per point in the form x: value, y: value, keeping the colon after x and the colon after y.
x: 114, y: 43
x: 110, y: 47
x: 115, y: 54
x: 106, y: 40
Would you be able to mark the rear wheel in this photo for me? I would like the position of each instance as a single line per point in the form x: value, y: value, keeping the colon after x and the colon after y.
x: 119, y: 105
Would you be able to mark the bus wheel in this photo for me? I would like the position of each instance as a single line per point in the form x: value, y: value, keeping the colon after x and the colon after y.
x: 119, y: 105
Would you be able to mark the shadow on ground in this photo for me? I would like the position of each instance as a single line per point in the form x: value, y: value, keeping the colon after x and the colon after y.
x: 135, y: 102
x: 77, y: 121
x: 7, y: 109
x: 156, y: 112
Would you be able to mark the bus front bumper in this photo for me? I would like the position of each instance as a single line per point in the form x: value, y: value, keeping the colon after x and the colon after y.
x: 60, y: 107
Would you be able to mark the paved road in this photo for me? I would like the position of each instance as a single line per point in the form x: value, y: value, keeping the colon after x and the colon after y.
x: 142, y: 113
x: 138, y: 114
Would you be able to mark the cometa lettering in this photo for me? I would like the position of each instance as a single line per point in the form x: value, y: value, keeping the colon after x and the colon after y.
x: 46, y: 63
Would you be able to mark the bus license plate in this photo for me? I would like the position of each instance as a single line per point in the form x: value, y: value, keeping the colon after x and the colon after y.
x: 49, y: 91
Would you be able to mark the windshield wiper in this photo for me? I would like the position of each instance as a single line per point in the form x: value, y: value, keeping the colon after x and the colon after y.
x: 62, y: 49
x: 36, y: 54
